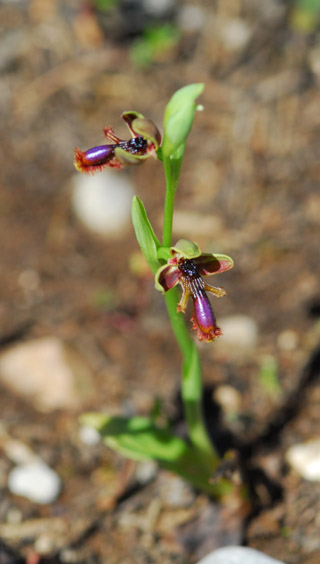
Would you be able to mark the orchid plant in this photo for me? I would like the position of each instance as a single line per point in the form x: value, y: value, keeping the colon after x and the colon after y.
x: 182, y: 264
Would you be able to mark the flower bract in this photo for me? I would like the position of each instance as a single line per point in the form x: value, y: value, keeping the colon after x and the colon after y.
x: 144, y: 142
x: 186, y: 267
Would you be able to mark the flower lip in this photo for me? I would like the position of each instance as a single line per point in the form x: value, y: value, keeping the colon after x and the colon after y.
x: 94, y: 159
x: 204, y: 320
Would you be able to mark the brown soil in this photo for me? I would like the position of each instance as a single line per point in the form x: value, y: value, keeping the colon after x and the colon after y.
x: 251, y: 177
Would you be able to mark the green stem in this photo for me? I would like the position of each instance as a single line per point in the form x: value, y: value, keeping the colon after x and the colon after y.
x: 169, y: 204
x: 191, y: 388
x: 191, y: 373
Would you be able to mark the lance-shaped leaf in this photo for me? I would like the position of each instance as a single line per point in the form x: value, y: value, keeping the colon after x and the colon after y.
x: 139, y: 438
x: 146, y: 237
x: 178, y: 117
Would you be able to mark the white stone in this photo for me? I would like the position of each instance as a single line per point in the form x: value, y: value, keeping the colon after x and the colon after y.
x: 305, y: 459
x: 314, y: 60
x: 36, y: 481
x: 46, y: 372
x: 146, y: 471
x: 235, y: 34
x: 229, y: 398
x: 191, y: 18
x: 288, y: 340
x: 238, y: 555
x: 102, y: 202
x: 158, y: 7
x: 238, y: 330
x: 89, y: 435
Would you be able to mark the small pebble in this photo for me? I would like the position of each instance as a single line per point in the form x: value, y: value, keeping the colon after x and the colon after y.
x: 158, y: 7
x: 238, y: 555
x: 191, y: 18
x: 102, y: 202
x: 288, y: 340
x: 174, y: 491
x: 35, y: 481
x: 146, y: 471
x: 228, y: 398
x: 47, y: 373
x: 89, y: 435
x: 235, y: 34
x: 305, y: 459
x: 239, y: 330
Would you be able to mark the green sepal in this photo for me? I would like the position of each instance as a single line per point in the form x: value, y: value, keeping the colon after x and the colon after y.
x: 164, y: 253
x: 148, y: 242
x: 138, y: 438
x: 188, y: 249
x: 128, y: 159
x: 178, y: 117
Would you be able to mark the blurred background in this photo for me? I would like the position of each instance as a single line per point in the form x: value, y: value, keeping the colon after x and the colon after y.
x: 81, y: 326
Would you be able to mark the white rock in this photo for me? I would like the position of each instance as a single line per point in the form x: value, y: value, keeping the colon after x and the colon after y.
x: 89, y: 435
x: 229, y: 398
x: 102, y: 202
x: 305, y: 459
x: 238, y: 555
x: 48, y: 373
x: 158, y: 7
x: 191, y: 18
x: 288, y: 340
x: 35, y: 481
x: 146, y: 471
x: 238, y: 330
x: 235, y: 34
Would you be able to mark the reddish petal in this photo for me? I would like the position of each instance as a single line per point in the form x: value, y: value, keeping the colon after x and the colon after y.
x: 212, y: 264
x: 168, y: 277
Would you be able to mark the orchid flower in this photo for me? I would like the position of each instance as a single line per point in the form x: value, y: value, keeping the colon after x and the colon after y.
x: 186, y: 267
x: 144, y: 142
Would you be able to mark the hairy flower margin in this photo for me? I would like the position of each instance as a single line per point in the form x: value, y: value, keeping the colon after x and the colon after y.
x: 186, y: 267
x: 144, y: 142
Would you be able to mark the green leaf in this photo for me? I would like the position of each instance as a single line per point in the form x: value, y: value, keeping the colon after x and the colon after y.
x: 146, y: 237
x: 312, y: 6
x: 139, y: 438
x: 164, y: 253
x: 178, y: 117
x: 154, y: 44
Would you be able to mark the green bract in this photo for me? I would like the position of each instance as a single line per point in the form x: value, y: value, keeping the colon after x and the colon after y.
x: 146, y: 237
x: 178, y: 117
